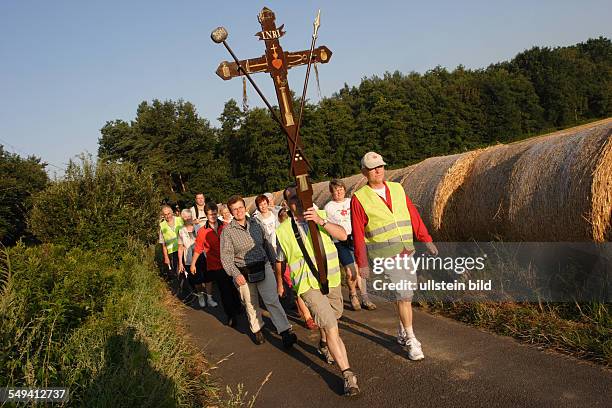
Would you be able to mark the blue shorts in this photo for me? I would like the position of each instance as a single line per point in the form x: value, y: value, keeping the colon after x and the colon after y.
x: 346, y: 254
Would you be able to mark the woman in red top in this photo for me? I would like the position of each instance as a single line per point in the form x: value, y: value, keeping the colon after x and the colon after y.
x: 207, y: 241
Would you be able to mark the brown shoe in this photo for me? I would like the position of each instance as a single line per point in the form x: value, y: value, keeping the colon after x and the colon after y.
x: 355, y: 302
x: 367, y: 305
x: 259, y: 338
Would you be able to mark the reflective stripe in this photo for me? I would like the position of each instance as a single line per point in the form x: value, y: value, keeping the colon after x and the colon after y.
x: 388, y: 227
x: 296, y: 282
x: 310, y: 275
x: 333, y: 271
x: 374, y: 246
x: 297, y: 265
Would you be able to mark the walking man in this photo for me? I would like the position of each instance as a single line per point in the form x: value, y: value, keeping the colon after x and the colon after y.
x: 384, y: 221
x: 169, y: 229
x: 198, y: 213
x: 326, y: 309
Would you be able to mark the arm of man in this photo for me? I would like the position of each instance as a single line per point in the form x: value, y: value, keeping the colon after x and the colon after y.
x: 278, y: 273
x: 197, y: 249
x: 279, y: 268
x: 419, y: 228
x: 164, y: 249
x: 227, y: 258
x: 359, y: 220
x: 181, y: 249
x: 336, y: 231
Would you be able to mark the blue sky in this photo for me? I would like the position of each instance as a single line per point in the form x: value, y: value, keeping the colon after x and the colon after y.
x: 66, y: 67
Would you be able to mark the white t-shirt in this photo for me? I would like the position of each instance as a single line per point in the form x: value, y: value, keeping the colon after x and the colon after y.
x: 340, y: 213
x: 269, y: 225
x: 201, y: 214
x: 381, y: 192
x: 187, y: 240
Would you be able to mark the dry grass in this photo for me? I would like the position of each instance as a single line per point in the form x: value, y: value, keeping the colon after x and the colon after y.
x: 582, y: 331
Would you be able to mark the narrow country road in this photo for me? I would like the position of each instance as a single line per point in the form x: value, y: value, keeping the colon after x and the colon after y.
x: 463, y: 366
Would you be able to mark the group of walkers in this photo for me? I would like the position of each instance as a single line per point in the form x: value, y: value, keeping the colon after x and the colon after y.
x: 269, y: 255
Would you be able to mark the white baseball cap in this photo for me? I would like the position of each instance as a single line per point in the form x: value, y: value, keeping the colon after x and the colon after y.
x: 372, y: 160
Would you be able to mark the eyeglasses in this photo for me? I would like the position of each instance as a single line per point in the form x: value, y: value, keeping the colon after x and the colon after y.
x: 237, y: 208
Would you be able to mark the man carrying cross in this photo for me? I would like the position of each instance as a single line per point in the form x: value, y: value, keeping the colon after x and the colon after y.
x: 318, y: 283
x: 325, y: 309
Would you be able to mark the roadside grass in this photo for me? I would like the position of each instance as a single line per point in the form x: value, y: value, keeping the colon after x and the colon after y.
x: 104, y: 327
x: 580, y: 330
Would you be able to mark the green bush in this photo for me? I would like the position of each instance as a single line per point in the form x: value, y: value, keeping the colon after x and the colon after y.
x: 20, y: 179
x: 97, y: 206
x: 95, y: 324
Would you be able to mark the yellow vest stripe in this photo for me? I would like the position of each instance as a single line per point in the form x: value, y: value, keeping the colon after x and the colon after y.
x: 388, y: 227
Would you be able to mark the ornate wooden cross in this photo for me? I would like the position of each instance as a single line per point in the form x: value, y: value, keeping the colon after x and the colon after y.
x: 276, y: 62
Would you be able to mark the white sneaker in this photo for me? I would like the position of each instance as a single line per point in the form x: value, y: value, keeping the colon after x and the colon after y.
x: 211, y: 301
x: 402, y: 336
x: 201, y: 299
x: 413, y: 347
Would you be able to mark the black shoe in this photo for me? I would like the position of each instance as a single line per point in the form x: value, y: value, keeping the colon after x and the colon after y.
x: 289, y: 338
x: 259, y: 338
x: 232, y: 322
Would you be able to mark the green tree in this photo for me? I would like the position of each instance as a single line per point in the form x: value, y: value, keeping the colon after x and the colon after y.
x: 97, y: 206
x: 21, y: 178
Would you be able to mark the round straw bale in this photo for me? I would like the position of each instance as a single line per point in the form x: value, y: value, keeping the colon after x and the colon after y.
x: 601, y: 192
x: 425, y: 185
x: 250, y: 204
x: 478, y: 209
x: 561, y: 188
x: 449, y: 183
x: 318, y: 191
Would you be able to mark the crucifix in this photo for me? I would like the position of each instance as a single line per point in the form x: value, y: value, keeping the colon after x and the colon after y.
x: 277, y: 62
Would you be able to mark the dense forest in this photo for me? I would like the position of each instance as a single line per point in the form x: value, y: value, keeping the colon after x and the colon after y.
x: 405, y: 117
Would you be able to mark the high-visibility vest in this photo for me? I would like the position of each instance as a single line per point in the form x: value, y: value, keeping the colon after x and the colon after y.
x: 302, y: 277
x: 170, y: 234
x: 388, y: 233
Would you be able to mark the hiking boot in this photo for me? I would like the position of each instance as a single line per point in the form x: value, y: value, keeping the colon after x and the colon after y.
x: 201, y: 299
x: 259, y: 338
x: 367, y: 305
x: 413, y: 347
x: 350, y: 383
x: 323, y: 350
x: 289, y: 338
x: 311, y: 325
x: 355, y: 302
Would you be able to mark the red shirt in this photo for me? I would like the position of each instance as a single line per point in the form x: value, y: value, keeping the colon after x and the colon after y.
x: 359, y: 220
x: 208, y: 241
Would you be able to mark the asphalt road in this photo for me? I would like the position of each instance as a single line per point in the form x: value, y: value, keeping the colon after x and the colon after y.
x: 463, y: 366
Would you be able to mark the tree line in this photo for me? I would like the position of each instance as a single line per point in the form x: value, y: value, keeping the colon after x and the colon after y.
x: 405, y: 117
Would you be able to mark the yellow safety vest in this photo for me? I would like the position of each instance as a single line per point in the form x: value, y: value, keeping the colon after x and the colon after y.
x: 170, y: 234
x: 387, y: 233
x: 302, y: 277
